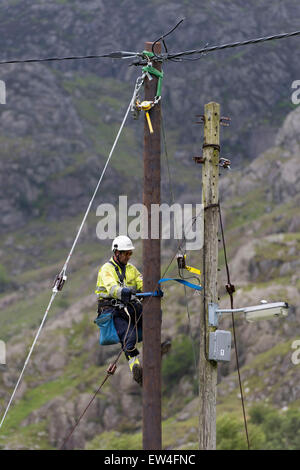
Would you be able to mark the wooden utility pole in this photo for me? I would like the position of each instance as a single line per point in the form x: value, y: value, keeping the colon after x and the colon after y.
x: 151, y: 273
x: 210, y: 199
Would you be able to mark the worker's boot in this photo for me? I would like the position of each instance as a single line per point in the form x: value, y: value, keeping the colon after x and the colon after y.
x: 136, y: 369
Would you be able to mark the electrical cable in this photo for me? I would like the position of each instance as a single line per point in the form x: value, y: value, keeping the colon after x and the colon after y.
x: 230, y: 45
x: 112, y: 55
x: 183, y: 240
x: 180, y: 273
x: 191, y: 337
x: 230, y: 290
x: 175, y: 57
x: 163, y: 37
x: 178, y: 56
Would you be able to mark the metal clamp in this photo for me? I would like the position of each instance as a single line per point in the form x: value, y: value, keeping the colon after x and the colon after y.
x: 225, y: 121
x: 59, y: 282
x: 225, y: 163
x: 111, y: 369
x: 199, y: 159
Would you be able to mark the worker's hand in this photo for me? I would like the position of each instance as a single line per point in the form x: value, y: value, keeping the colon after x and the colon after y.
x: 133, y: 289
x: 126, y: 294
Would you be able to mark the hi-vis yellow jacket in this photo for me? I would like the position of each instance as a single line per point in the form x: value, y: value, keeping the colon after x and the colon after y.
x: 109, y: 285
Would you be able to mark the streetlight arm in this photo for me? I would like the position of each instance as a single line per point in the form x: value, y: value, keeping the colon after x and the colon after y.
x: 264, y: 311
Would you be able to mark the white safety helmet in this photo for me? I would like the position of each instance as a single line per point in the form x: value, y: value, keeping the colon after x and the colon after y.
x: 122, y: 243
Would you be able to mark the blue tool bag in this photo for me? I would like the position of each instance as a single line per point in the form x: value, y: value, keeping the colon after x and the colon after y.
x: 108, y: 332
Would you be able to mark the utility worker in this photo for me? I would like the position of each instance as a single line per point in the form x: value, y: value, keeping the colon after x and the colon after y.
x: 117, y: 282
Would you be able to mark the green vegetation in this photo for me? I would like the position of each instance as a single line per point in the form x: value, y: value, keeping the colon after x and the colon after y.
x: 178, y: 363
x: 281, y: 429
x: 112, y: 440
x: 231, y: 435
x: 12, y: 148
x: 4, y: 278
x: 268, y: 428
x: 246, y: 209
x: 33, y: 436
x: 35, y: 399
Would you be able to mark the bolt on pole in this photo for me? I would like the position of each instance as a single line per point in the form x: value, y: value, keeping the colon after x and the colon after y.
x: 152, y: 435
x: 210, y: 199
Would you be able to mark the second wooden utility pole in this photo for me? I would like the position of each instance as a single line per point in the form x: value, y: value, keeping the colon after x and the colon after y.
x: 151, y: 271
x: 210, y: 199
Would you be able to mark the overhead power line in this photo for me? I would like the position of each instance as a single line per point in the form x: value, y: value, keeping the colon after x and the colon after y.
x: 112, y: 55
x: 231, y: 45
x: 178, y: 56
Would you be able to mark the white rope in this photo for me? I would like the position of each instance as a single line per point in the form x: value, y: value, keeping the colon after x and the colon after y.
x: 138, y: 85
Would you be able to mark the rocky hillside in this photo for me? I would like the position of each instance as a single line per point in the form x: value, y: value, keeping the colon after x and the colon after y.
x: 262, y: 231
x: 61, y: 117
x: 261, y: 204
x: 57, y: 128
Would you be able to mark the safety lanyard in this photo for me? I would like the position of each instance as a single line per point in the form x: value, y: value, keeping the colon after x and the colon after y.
x: 120, y: 276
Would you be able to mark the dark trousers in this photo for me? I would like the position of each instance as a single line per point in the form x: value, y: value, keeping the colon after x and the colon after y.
x: 128, y: 335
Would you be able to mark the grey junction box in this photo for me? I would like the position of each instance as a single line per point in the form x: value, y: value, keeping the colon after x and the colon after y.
x: 219, y: 346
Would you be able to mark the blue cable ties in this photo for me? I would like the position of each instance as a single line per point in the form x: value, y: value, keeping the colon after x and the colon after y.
x: 182, y: 281
x: 159, y: 293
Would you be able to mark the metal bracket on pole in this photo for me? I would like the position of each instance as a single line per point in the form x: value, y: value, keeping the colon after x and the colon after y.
x: 213, y: 316
x: 214, y: 313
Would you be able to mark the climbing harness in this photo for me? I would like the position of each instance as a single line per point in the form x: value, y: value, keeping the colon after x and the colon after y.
x: 120, y: 276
